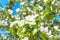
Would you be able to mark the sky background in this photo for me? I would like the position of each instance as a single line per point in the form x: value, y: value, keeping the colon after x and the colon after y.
x: 16, y: 5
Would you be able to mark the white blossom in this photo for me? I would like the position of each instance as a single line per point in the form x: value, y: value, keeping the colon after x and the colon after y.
x: 42, y: 17
x: 35, y: 30
x: 42, y: 23
x: 10, y: 11
x: 36, y: 15
x: 3, y: 23
x: 46, y: 29
x: 31, y: 23
x: 28, y: 9
x: 45, y: 0
x: 39, y: 0
x: 41, y: 8
x: 50, y: 36
x: 18, y: 9
x: 24, y: 13
x: 20, y: 23
x: 13, y: 23
x: 41, y: 28
x: 21, y: 35
x: 22, y: 3
x: 53, y: 1
x: 49, y: 33
x: 29, y: 18
x: 25, y: 38
x: 56, y: 27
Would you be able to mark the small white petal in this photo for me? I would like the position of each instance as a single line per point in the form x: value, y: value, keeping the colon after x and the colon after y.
x: 53, y: 1
x: 10, y: 11
x: 41, y: 23
x: 45, y: 0
x: 24, y: 13
x: 35, y: 30
x: 22, y: 3
x: 56, y: 27
x: 25, y: 38
x: 18, y: 9
x: 28, y: 9
x: 41, y: 28
x: 40, y: 7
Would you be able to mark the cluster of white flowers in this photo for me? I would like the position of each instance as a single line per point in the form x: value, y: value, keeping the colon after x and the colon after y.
x: 31, y: 17
x: 20, y: 23
x: 45, y: 30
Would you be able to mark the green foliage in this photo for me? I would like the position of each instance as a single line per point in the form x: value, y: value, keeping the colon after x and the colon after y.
x: 31, y: 19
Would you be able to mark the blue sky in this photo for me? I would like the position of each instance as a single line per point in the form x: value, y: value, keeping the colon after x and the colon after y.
x: 16, y: 5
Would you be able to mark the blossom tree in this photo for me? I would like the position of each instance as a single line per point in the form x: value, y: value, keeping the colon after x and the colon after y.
x: 35, y: 21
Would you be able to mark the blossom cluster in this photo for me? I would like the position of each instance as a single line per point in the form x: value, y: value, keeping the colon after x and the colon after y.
x: 32, y: 20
